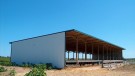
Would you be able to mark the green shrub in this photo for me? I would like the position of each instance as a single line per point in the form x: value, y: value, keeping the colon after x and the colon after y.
x: 2, y: 69
x: 5, y: 63
x: 14, y: 64
x: 36, y: 72
x: 49, y: 66
x: 25, y: 64
x: 31, y: 65
x: 4, y: 59
x: 41, y: 66
x: 12, y: 73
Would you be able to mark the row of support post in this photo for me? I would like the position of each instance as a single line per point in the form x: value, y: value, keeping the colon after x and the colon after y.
x: 109, y: 56
x: 108, y: 53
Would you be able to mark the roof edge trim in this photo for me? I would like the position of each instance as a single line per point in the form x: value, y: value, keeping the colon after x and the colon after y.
x: 40, y: 36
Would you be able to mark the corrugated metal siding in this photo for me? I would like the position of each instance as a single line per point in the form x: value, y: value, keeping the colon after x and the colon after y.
x: 46, y: 49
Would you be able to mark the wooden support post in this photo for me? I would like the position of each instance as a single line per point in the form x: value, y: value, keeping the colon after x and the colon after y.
x: 77, y: 50
x: 90, y: 56
x: 121, y: 55
x: 73, y: 55
x: 107, y: 53
x: 117, y: 54
x: 78, y: 55
x: 103, y: 58
x: 98, y: 52
x: 98, y: 55
x: 92, y: 52
x: 114, y: 57
x: 85, y: 51
x: 103, y: 52
x: 110, y: 53
x: 68, y: 55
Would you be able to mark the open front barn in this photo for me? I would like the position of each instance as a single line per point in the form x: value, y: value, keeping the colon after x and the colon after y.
x: 55, y: 48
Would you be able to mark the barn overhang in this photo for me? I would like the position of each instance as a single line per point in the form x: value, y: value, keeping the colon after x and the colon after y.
x: 79, y: 42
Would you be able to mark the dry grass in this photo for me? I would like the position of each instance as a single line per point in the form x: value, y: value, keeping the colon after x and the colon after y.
x: 130, y: 68
x: 19, y: 71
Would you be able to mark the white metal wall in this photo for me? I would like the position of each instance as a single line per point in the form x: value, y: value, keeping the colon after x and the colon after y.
x: 45, y: 49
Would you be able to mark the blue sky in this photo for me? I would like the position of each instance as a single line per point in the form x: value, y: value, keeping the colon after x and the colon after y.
x: 110, y: 20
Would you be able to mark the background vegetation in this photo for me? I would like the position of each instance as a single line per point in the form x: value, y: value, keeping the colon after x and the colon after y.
x: 5, y: 61
x: 36, y: 69
x: 130, y: 60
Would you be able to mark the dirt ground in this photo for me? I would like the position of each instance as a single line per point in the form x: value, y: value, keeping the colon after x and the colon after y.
x: 94, y: 71
x: 20, y: 71
x: 128, y: 70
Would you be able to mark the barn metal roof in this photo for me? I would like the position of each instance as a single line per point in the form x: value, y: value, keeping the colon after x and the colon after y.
x: 79, y: 33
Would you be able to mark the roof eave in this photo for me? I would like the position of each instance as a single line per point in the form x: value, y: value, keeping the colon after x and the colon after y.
x: 97, y: 38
